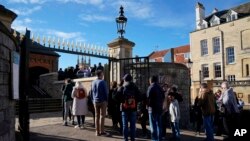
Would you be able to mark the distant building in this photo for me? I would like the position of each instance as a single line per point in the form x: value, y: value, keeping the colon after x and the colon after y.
x: 220, y: 49
x: 40, y: 61
x: 160, y: 56
x: 177, y: 55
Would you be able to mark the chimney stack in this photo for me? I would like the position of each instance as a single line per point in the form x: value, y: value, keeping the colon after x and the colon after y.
x: 200, y: 14
x: 215, y: 10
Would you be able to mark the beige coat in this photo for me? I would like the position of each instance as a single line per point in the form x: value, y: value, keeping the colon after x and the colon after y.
x: 80, y: 106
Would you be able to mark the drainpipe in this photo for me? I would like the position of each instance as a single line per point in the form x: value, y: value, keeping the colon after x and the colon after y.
x: 222, y: 54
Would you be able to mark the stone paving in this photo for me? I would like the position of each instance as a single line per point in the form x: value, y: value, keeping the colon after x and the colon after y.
x: 48, y: 127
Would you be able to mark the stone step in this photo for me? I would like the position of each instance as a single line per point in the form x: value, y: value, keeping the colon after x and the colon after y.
x: 37, y: 105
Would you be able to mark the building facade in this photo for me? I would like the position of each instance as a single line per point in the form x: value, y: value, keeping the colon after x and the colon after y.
x: 220, y: 49
x: 179, y: 54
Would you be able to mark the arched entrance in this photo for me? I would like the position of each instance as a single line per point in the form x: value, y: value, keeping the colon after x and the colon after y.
x: 35, y: 72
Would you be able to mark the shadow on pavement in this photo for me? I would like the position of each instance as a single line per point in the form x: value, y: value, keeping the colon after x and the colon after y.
x: 42, y: 137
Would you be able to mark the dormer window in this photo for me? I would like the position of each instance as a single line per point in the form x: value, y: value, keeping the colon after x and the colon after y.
x: 232, y: 15
x: 214, y: 21
x: 203, y: 24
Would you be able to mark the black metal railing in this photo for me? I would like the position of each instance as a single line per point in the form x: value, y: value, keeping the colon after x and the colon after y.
x: 138, y: 67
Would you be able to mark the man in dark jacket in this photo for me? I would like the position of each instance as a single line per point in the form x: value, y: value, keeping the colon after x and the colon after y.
x: 155, y: 97
x: 129, y: 96
x: 67, y: 99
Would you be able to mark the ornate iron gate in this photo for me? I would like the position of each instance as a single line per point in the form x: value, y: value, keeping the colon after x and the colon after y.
x: 138, y: 67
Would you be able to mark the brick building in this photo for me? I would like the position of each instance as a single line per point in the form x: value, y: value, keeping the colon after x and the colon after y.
x: 179, y: 54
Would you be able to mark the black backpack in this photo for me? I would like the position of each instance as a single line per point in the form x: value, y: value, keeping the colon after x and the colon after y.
x: 129, y: 99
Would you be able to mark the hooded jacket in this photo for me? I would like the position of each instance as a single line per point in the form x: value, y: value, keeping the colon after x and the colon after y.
x: 229, y: 100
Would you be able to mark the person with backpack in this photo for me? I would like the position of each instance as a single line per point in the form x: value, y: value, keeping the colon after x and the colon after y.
x: 155, y: 97
x: 79, y: 108
x: 128, y: 95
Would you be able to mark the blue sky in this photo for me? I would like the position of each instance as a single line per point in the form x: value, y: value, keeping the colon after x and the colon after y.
x: 152, y: 24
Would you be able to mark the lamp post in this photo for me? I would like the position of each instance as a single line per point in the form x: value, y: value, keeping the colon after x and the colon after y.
x: 121, y: 22
x: 189, y: 65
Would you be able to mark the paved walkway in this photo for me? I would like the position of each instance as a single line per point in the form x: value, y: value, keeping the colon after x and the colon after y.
x: 48, y: 127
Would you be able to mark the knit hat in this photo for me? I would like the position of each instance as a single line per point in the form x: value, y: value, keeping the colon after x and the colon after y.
x: 127, y: 77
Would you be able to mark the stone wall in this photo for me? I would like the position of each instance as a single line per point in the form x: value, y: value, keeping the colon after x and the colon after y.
x: 177, y: 75
x: 7, y: 106
x: 49, y: 83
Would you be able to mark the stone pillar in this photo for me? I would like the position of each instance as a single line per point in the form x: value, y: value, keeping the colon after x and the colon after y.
x: 7, y: 105
x: 119, y: 48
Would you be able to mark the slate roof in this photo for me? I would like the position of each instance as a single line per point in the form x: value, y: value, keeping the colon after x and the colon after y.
x: 243, y: 10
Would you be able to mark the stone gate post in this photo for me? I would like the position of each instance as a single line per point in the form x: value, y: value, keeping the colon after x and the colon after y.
x: 119, y: 48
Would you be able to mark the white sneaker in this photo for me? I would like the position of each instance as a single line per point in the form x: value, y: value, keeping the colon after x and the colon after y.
x: 77, y: 126
x: 82, y: 127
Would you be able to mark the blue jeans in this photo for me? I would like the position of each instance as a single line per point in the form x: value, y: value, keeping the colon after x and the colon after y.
x: 155, y: 126
x: 131, y: 117
x: 175, y: 130
x: 208, y: 124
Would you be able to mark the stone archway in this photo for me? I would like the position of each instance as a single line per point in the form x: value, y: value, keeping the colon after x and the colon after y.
x: 35, y: 72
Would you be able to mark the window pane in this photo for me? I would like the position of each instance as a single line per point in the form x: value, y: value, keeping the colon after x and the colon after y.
x: 247, y: 70
x: 205, y: 71
x: 231, y: 77
x: 216, y: 44
x: 217, y: 70
x: 230, y: 55
x: 204, y: 49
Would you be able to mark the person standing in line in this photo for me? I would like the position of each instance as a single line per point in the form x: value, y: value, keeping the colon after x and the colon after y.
x: 112, y: 106
x: 129, y: 96
x: 79, y: 108
x: 100, y: 99
x: 198, y: 116
x: 143, y: 115
x: 218, y: 118
x: 174, y: 112
x: 165, y: 113
x: 100, y: 67
x: 207, y: 103
x: 91, y: 107
x: 67, y: 101
x: 155, y: 97
x: 117, y: 105
x: 231, y: 116
x: 93, y: 70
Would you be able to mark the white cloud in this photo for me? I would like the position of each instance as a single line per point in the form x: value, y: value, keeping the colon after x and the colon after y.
x: 26, y: 11
x: 95, y: 18
x: 92, y: 2
x: 76, y: 36
x: 28, y: 1
x: 27, y: 20
x: 166, y: 23
x: 140, y: 9
x: 21, y: 25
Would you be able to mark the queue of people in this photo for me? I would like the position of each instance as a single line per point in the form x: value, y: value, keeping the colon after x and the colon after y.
x: 219, y: 111
x: 79, y: 72
x: 160, y: 106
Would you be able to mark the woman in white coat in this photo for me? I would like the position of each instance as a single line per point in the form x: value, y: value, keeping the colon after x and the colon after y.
x: 79, y: 108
